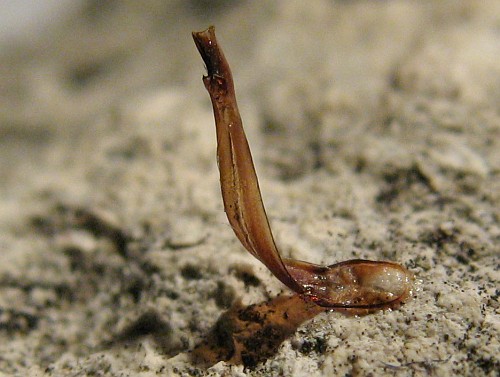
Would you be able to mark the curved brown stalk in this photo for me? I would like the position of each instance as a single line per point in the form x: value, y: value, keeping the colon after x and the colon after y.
x: 350, y: 284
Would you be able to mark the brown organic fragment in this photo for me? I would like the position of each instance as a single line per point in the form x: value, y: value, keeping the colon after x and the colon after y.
x: 357, y: 284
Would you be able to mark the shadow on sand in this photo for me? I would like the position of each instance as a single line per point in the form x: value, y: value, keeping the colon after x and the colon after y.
x: 249, y: 335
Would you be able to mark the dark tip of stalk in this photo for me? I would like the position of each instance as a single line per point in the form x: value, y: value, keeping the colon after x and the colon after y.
x: 206, y: 43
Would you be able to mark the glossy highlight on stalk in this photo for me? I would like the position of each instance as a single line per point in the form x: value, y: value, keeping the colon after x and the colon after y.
x: 357, y: 284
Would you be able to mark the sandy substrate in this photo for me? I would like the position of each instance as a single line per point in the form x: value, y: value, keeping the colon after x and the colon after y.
x: 375, y: 128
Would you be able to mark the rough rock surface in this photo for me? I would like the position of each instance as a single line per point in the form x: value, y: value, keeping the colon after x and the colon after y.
x: 375, y: 127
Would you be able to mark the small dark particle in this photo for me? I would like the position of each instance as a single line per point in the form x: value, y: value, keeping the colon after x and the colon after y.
x: 190, y: 272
